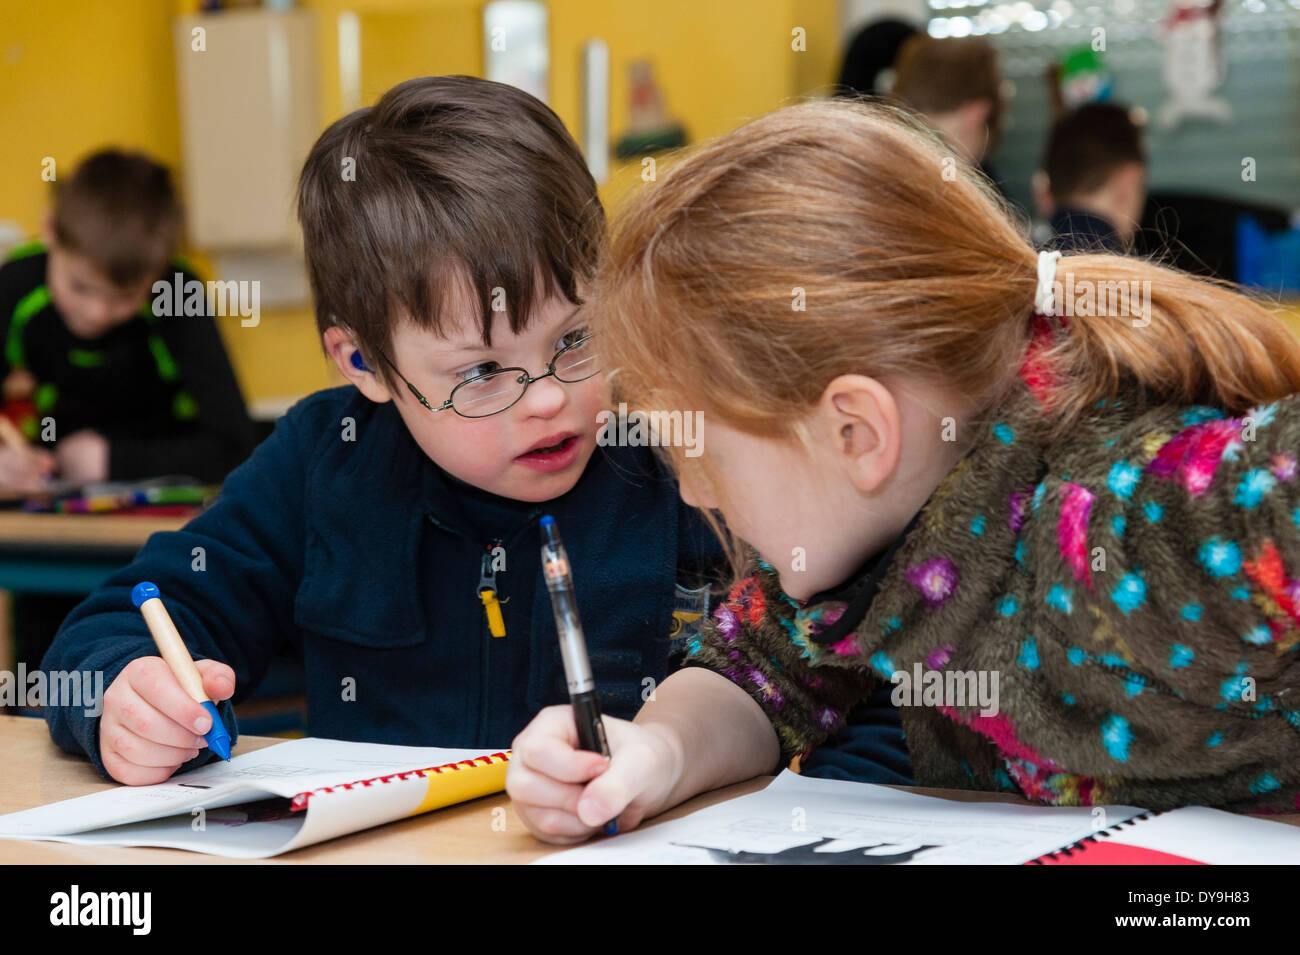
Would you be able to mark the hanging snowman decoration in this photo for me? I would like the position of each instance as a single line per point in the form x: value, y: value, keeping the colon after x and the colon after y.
x: 1193, y: 66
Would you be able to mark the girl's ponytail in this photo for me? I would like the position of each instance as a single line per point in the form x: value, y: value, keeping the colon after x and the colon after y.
x: 1186, y: 340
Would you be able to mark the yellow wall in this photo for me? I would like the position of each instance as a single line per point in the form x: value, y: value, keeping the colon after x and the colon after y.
x: 80, y: 74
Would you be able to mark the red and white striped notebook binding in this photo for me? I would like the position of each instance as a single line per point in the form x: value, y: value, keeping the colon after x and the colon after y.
x: 464, y: 786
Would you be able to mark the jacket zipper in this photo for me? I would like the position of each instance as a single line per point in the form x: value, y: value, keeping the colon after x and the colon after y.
x: 485, y: 635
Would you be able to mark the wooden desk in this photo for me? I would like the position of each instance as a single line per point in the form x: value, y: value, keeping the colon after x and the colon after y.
x: 33, y: 771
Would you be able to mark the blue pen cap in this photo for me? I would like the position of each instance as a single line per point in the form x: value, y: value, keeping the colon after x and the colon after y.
x: 217, y: 737
x: 550, y: 533
x: 143, y: 591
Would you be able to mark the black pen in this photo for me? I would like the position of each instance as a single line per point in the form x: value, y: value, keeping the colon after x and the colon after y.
x: 573, y: 647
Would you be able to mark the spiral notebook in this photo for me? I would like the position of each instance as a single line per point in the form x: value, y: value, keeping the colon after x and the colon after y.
x: 1194, y: 835
x: 809, y: 821
x: 270, y: 801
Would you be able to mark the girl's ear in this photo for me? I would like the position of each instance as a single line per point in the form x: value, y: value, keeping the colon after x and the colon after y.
x: 862, y: 424
x: 343, y: 351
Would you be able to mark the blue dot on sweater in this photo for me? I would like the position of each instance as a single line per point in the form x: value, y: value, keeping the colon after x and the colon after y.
x: 1134, y: 684
x: 1220, y: 557
x: 1076, y: 655
x: 1004, y: 432
x: 1264, y: 784
x: 1240, y: 593
x: 1118, y: 523
x: 1029, y: 654
x: 1153, y: 511
x: 1192, y: 612
x: 1116, y: 737
x: 1234, y: 689
x: 1020, y: 552
x: 1199, y: 413
x: 1007, y: 605
x: 1180, y: 656
x: 1123, y: 478
x: 1130, y: 593
x: 1253, y: 486
x: 883, y: 665
x: 1068, y: 698
x: 1061, y: 598
x: 1258, y: 636
x: 1214, y: 739
x: 977, y: 525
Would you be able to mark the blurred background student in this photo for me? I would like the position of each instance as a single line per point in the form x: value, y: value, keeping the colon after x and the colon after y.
x: 1095, y: 179
x: 956, y: 86
x: 104, y: 385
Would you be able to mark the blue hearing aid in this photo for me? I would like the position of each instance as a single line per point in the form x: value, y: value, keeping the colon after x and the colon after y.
x: 358, y: 362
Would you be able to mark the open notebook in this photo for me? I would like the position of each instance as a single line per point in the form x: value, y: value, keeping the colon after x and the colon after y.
x: 802, y: 820
x: 271, y: 800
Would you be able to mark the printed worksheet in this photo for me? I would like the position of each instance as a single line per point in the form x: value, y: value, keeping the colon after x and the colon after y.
x: 807, y: 821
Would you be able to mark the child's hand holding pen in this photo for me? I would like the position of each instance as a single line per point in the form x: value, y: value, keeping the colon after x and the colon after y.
x: 150, y: 726
x: 565, y: 794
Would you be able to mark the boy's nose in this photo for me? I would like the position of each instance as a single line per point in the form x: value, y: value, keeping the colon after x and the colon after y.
x: 545, y: 398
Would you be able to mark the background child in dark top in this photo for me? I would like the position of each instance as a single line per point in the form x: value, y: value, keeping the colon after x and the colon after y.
x: 117, y: 391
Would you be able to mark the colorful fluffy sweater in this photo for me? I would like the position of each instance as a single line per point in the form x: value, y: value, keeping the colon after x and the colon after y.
x: 1135, y: 587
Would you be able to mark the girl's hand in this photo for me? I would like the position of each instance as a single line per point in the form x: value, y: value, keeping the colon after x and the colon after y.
x: 150, y: 726
x: 565, y: 795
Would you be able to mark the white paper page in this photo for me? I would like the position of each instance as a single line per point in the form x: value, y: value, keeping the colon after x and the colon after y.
x: 254, y: 840
x: 1215, y: 837
x: 284, y: 769
x: 861, y: 824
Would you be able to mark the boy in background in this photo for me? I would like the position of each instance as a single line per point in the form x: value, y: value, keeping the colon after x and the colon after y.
x: 1095, y: 172
x: 451, y: 232
x: 955, y: 85
x: 130, y: 394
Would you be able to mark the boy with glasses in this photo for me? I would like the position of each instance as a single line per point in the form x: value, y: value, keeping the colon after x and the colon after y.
x: 387, y: 530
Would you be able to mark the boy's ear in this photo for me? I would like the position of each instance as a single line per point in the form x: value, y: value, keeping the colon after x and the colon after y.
x: 862, y: 423
x: 342, y: 349
x: 47, y: 228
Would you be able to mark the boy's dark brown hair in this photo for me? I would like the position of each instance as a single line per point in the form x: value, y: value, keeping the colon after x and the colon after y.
x: 1087, y: 146
x: 936, y: 76
x: 458, y: 184
x: 119, y: 210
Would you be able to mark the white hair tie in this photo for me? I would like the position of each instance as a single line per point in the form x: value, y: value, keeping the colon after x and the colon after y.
x: 1046, y: 282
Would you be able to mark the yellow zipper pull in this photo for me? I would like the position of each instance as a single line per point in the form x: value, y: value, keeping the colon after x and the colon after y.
x: 488, y: 594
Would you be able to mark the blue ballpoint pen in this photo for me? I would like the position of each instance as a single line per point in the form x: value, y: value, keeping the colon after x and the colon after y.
x: 573, y: 647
